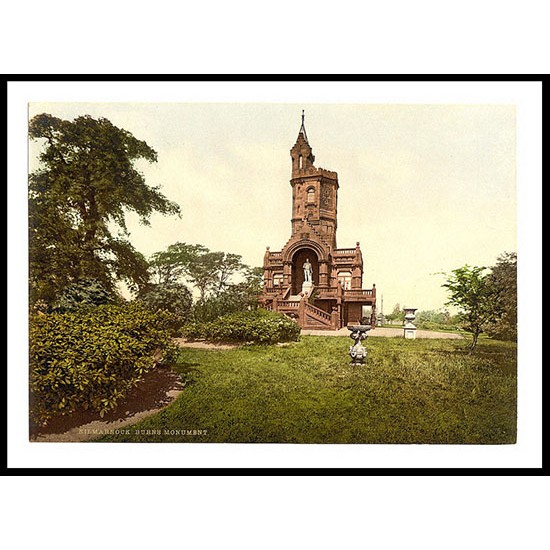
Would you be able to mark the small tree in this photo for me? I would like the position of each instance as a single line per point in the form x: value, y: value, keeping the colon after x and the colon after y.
x: 472, y: 293
x: 396, y: 315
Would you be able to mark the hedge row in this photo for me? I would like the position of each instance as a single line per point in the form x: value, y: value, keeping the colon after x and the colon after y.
x: 430, y: 325
x: 257, y: 326
x: 89, y: 359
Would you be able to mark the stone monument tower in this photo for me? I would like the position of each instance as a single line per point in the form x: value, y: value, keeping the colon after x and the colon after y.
x: 310, y: 279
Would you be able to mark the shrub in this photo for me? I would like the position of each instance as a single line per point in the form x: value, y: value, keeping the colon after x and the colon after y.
x: 234, y: 299
x: 258, y: 326
x: 89, y: 359
x: 504, y: 329
x: 84, y: 292
x: 431, y: 325
x: 173, y: 297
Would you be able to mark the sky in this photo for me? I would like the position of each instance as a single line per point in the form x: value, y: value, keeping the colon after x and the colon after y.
x: 424, y: 188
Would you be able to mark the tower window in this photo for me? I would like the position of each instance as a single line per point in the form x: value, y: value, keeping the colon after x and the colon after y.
x: 300, y: 162
x: 310, y: 195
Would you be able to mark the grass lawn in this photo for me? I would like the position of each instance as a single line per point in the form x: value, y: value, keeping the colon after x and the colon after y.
x: 410, y: 391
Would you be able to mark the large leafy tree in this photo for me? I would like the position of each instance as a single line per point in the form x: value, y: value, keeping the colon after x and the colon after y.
x: 173, y: 264
x: 223, y: 283
x: 211, y: 273
x: 472, y: 293
x: 503, y: 280
x: 78, y: 199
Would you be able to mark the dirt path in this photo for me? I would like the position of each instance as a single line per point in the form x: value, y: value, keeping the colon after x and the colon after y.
x: 183, y: 343
x: 157, y: 390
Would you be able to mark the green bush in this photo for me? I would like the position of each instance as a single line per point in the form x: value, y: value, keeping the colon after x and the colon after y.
x: 431, y: 325
x: 90, y: 358
x: 84, y: 292
x: 257, y: 326
x: 173, y: 297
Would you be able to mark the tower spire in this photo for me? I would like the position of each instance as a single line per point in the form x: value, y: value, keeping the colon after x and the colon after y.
x: 303, y: 127
x: 301, y: 154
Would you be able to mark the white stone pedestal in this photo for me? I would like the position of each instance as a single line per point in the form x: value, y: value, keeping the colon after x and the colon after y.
x: 409, y: 331
x: 306, y: 288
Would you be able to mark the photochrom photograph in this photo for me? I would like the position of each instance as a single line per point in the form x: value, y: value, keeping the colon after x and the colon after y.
x: 292, y: 273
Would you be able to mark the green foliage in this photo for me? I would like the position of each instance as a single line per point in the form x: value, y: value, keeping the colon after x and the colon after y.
x: 210, y: 308
x: 313, y: 296
x: 86, y: 184
x: 173, y: 264
x: 237, y: 297
x: 224, y: 284
x: 471, y: 292
x: 173, y: 297
x: 397, y: 314
x: 258, y: 326
x: 437, y: 320
x: 503, y: 281
x: 85, y: 292
x: 409, y: 391
x: 212, y: 271
x: 213, y: 274
x: 89, y: 359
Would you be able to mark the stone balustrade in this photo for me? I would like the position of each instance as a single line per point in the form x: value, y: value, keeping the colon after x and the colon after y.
x: 359, y: 292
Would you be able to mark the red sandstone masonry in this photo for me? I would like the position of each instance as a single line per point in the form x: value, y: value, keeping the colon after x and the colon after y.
x: 313, y: 237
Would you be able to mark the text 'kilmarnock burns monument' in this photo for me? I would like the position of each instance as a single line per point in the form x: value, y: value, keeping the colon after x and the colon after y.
x: 310, y: 279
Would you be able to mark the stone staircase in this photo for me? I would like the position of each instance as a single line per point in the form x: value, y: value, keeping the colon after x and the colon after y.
x: 308, y: 315
x: 316, y: 318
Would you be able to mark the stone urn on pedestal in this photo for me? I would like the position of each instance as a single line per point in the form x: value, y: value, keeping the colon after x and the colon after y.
x: 409, y: 329
x: 358, y: 352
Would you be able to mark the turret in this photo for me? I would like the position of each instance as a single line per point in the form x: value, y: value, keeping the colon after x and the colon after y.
x: 314, y: 191
x: 301, y: 154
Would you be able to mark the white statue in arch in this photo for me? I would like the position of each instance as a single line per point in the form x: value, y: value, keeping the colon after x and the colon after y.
x: 308, y: 271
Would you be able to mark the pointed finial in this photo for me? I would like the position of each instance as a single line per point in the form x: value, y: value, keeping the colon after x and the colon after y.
x: 303, y: 127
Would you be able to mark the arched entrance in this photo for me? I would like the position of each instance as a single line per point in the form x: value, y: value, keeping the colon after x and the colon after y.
x: 298, y: 260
